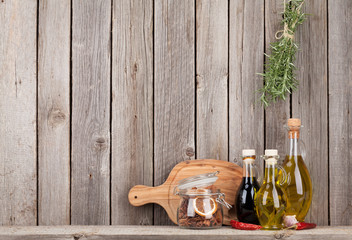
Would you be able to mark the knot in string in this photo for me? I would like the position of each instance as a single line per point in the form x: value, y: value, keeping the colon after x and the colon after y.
x: 287, y: 33
x: 284, y: 33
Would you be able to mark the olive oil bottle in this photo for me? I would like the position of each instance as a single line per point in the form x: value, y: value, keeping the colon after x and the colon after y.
x: 245, y: 207
x: 299, y: 185
x: 271, y: 199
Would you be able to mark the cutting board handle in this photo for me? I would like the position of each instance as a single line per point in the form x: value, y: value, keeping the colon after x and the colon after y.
x: 140, y: 195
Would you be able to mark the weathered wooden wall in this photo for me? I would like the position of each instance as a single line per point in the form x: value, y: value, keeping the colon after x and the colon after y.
x: 99, y: 95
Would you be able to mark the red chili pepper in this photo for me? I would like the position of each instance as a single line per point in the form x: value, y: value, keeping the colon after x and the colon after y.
x: 244, y: 226
x: 303, y: 225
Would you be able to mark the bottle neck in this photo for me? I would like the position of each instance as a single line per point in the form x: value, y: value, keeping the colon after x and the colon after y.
x: 248, y: 168
x: 294, y: 140
x: 270, y: 173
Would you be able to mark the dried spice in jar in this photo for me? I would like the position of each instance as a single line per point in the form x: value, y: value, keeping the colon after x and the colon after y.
x: 200, y: 202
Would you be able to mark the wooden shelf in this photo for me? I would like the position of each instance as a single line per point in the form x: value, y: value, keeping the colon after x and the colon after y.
x: 166, y: 232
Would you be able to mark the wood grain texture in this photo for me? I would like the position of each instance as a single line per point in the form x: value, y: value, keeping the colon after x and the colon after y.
x: 276, y: 114
x: 132, y: 108
x: 309, y: 103
x: 229, y: 179
x: 174, y: 89
x: 246, y: 126
x: 90, y: 178
x: 212, y: 78
x: 340, y: 108
x: 18, y: 144
x: 54, y: 112
x: 166, y: 232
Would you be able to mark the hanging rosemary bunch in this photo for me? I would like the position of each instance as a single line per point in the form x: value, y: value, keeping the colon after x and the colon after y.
x: 279, y: 76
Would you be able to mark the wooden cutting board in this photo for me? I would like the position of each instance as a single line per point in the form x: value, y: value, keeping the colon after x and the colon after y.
x: 230, y: 177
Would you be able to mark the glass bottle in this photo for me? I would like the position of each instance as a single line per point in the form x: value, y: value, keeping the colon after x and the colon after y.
x: 245, y: 207
x: 271, y: 199
x: 299, y: 185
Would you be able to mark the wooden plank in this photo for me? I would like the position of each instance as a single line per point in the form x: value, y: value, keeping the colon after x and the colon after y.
x: 212, y: 78
x: 18, y: 146
x: 166, y: 232
x: 246, y: 126
x: 276, y: 114
x: 54, y: 112
x: 340, y: 107
x: 310, y: 104
x: 174, y: 92
x: 132, y: 108
x: 90, y: 112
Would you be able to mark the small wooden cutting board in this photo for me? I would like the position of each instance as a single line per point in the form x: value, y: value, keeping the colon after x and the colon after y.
x: 230, y: 177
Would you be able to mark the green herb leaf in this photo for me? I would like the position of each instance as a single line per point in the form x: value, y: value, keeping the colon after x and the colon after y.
x: 279, y: 76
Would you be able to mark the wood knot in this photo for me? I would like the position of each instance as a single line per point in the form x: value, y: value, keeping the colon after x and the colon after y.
x: 199, y: 82
x: 135, y: 67
x: 144, y: 221
x: 56, y: 117
x: 100, y: 144
x: 134, y: 71
x: 78, y: 236
x: 190, y: 152
x: 278, y: 235
x: 282, y: 235
x: 100, y: 140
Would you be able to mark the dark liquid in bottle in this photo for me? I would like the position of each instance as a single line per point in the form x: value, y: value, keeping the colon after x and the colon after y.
x: 245, y: 207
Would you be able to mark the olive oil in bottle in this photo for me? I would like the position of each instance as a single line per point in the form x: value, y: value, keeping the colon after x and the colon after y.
x: 299, y: 185
x: 245, y: 207
x: 271, y: 199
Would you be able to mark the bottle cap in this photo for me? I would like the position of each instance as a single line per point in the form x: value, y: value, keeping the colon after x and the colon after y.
x: 294, y: 122
x: 271, y: 152
x: 294, y: 125
x: 248, y: 152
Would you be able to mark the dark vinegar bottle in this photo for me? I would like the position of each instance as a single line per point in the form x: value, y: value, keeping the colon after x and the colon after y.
x: 245, y: 207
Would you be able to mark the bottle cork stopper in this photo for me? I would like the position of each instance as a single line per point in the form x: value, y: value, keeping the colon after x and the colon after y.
x: 294, y: 122
x: 294, y: 125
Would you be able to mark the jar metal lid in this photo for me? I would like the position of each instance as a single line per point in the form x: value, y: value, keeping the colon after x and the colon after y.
x: 198, y: 181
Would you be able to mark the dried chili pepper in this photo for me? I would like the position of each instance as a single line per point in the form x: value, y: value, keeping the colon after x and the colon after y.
x: 244, y: 226
x: 304, y: 225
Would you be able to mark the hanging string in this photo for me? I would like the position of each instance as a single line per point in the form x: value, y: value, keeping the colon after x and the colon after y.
x: 286, y: 32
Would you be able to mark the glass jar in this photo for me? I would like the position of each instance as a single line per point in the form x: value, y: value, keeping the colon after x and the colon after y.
x: 201, y: 203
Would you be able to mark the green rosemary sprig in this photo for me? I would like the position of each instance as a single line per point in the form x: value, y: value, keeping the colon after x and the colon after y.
x: 279, y: 76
